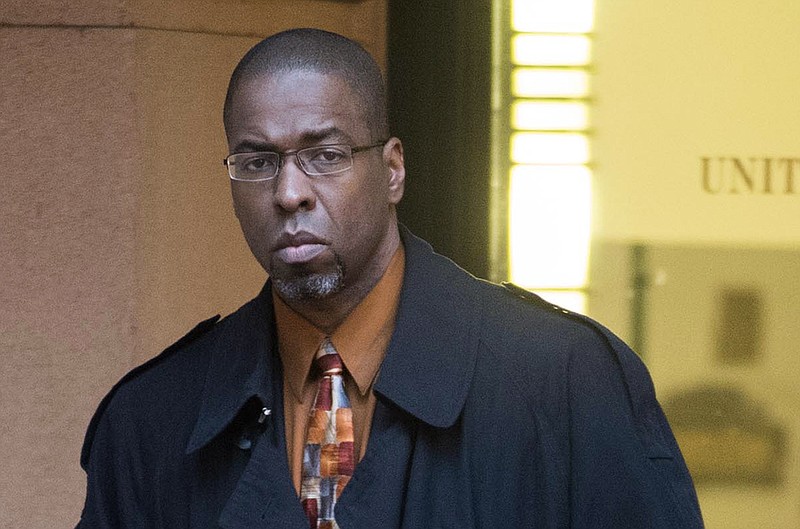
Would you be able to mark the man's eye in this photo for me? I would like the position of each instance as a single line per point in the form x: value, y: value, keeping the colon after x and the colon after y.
x: 329, y: 155
x: 258, y: 164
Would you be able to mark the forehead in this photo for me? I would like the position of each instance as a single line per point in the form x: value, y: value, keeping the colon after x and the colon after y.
x: 286, y: 107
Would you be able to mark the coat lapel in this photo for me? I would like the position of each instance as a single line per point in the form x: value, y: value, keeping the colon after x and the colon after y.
x: 431, y: 357
x: 375, y: 495
x: 245, y: 366
x: 425, y: 376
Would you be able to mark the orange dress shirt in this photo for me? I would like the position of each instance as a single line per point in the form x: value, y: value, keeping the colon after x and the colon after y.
x: 361, y: 341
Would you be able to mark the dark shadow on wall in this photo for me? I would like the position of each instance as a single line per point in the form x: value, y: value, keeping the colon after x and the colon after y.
x: 439, y: 78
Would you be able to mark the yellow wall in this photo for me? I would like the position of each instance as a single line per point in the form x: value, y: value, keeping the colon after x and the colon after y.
x: 676, y: 82
x: 681, y: 80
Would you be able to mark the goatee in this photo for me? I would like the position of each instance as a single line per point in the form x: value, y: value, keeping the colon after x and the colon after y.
x: 309, y: 286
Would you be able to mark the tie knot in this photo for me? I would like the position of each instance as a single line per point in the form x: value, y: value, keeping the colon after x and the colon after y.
x: 328, y: 361
x: 329, y: 364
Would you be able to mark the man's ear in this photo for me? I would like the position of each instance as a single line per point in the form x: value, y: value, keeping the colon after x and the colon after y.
x: 393, y: 159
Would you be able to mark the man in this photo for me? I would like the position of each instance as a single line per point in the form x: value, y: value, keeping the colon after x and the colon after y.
x: 372, y: 383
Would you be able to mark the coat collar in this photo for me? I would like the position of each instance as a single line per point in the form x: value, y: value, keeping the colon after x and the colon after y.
x: 244, y: 365
x: 432, y: 354
x: 428, y: 366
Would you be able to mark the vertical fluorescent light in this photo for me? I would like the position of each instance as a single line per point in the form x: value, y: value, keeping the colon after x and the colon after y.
x: 549, y: 115
x: 543, y: 16
x: 549, y: 148
x: 551, y: 50
x: 550, y: 181
x: 549, y: 236
x: 549, y: 82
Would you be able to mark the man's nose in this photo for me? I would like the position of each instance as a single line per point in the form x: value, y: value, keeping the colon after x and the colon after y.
x: 293, y: 190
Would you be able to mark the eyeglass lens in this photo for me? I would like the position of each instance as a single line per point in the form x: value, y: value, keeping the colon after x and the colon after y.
x: 325, y: 159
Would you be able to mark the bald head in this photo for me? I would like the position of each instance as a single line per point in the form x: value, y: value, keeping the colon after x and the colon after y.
x: 322, y: 52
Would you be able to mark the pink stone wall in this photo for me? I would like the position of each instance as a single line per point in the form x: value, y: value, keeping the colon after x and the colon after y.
x: 116, y: 231
x: 68, y: 156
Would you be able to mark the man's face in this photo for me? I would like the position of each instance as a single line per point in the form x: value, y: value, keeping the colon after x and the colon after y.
x: 314, y: 235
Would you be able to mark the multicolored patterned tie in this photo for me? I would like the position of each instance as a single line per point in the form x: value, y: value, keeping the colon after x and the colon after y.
x: 328, y: 458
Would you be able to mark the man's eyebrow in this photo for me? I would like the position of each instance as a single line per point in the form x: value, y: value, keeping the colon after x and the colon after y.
x: 253, y: 146
x: 307, y: 139
x: 328, y: 134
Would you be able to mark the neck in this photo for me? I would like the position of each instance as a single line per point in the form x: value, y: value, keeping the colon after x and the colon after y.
x: 326, y: 315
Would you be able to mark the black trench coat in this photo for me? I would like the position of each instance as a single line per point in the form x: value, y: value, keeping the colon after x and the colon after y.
x: 494, y: 409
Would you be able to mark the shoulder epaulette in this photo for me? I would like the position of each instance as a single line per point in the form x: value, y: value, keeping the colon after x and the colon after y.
x: 531, y: 297
x: 582, y: 319
x: 199, y: 330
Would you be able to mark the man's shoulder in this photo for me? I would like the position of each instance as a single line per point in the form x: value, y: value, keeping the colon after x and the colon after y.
x: 174, y: 363
x: 530, y: 337
x: 179, y: 361
x: 157, y: 384
x: 528, y: 333
x: 513, y: 313
x: 168, y: 387
x: 507, y: 318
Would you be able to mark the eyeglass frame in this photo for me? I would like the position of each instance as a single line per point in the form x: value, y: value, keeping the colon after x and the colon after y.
x: 295, y: 152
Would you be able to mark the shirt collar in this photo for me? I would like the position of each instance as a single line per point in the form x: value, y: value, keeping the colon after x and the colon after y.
x: 360, y: 340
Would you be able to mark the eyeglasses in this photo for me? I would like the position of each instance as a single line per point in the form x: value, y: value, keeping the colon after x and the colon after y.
x: 322, y: 160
